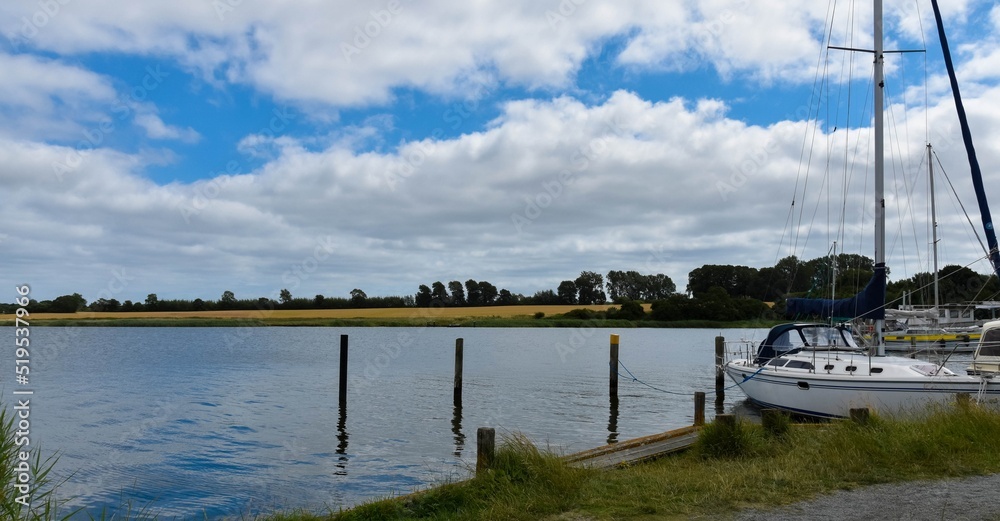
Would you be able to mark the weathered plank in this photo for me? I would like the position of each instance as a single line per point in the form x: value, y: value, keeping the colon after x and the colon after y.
x: 636, y: 450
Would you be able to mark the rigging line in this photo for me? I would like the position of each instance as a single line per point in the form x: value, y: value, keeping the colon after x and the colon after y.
x: 907, y: 209
x: 923, y: 43
x: 820, y: 85
x: 955, y: 192
x: 949, y: 275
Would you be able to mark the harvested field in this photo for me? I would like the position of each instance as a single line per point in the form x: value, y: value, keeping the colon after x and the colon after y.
x: 283, y: 315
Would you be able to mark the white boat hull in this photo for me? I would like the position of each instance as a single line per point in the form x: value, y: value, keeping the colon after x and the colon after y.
x: 834, y: 395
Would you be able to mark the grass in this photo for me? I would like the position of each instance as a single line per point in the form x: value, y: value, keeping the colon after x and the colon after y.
x: 728, y: 470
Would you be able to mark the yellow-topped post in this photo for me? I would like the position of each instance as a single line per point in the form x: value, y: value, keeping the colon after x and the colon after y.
x: 614, y: 366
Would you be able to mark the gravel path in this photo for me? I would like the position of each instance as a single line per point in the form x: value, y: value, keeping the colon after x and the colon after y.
x: 963, y: 499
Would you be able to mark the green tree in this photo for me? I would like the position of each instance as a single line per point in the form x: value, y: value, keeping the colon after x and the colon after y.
x: 544, y: 298
x: 423, y: 297
x: 457, y: 293
x: 439, y: 293
x: 228, y: 300
x: 487, y: 292
x: 506, y: 298
x: 152, y: 302
x: 674, y: 307
x: 285, y: 296
x: 567, y: 292
x: 103, y: 304
x: 358, y: 297
x: 472, y: 294
x: 590, y: 288
x: 68, y: 304
x: 629, y: 310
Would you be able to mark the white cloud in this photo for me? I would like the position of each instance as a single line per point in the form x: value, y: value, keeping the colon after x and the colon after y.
x: 345, y: 54
x: 156, y: 129
x: 48, y: 99
x: 550, y: 189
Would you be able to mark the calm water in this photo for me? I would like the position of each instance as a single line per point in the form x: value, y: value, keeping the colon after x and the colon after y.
x: 230, y: 421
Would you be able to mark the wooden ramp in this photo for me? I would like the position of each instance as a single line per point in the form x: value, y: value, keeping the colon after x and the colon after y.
x: 636, y: 450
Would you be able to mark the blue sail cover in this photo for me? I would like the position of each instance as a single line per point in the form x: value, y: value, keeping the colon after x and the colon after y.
x: 869, y: 303
x: 977, y: 174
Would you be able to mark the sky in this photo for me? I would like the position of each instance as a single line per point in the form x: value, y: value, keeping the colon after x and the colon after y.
x: 191, y: 147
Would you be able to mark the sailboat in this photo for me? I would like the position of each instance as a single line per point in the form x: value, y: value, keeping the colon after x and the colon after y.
x: 951, y: 328
x: 820, y: 369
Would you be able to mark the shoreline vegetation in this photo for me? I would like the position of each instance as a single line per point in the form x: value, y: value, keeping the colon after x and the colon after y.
x: 568, y: 316
x: 732, y: 469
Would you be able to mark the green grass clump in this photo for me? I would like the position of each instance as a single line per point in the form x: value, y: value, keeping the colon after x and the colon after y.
x: 523, y: 483
x: 741, y: 439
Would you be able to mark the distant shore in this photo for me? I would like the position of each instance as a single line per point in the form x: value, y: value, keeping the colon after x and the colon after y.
x: 487, y: 316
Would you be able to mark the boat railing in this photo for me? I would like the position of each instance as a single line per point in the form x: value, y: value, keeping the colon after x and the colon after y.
x: 744, y: 349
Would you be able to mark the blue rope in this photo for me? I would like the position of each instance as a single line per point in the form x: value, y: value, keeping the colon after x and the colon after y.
x: 746, y: 379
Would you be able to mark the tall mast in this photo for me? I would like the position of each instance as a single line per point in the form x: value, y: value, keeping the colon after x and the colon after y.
x: 879, y: 164
x: 934, y: 237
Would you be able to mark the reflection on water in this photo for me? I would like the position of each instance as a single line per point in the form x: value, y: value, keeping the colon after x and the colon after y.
x: 613, y: 420
x: 235, y: 421
x: 342, y: 437
x: 456, y: 428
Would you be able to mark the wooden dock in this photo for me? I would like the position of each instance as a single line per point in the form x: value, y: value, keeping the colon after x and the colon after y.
x: 636, y: 450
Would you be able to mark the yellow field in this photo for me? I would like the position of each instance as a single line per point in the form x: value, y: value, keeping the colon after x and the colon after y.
x: 292, y: 314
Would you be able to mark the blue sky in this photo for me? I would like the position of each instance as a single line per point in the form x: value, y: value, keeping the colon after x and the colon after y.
x: 203, y: 146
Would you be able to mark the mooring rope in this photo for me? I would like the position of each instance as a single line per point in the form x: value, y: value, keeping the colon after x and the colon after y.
x: 634, y: 379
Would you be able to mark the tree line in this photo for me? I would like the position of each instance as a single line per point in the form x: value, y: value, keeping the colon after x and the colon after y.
x: 713, y: 292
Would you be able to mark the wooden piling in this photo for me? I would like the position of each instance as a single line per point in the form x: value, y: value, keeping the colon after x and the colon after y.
x: 699, y: 408
x: 720, y: 375
x: 726, y: 420
x: 774, y: 421
x: 485, y: 448
x: 861, y: 416
x: 343, y: 370
x: 613, y: 389
x: 459, y: 345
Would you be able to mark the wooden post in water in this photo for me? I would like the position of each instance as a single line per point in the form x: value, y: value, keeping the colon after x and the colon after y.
x: 699, y: 408
x: 459, y: 345
x: 343, y: 370
x: 613, y: 389
x: 720, y: 375
x: 726, y: 420
x: 485, y: 448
